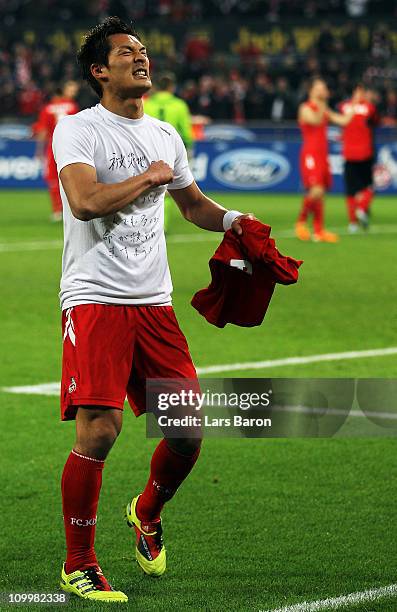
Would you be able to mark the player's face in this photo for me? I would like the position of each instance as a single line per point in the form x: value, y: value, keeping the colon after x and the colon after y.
x: 359, y: 92
x: 320, y: 90
x: 372, y: 96
x: 70, y: 90
x: 127, y: 74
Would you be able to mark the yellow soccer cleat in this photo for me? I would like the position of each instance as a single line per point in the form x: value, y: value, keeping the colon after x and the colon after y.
x: 90, y: 584
x: 149, y: 549
x: 302, y: 231
x: 325, y: 236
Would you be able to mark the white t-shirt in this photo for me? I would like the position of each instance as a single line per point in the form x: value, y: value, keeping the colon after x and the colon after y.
x: 120, y: 258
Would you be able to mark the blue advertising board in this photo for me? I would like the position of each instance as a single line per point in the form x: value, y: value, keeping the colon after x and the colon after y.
x: 273, y: 166
x: 233, y: 158
x: 19, y: 166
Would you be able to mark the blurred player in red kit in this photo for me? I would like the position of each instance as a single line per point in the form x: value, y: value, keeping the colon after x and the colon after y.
x: 313, y: 117
x: 60, y: 105
x: 358, y: 153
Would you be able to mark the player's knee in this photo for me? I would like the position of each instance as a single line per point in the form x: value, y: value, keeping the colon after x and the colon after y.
x: 317, y: 191
x: 97, y: 443
x: 97, y: 431
x: 185, y: 446
x: 105, y: 435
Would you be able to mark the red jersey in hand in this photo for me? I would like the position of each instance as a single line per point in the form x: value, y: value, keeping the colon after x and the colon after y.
x: 358, y: 142
x: 244, y: 273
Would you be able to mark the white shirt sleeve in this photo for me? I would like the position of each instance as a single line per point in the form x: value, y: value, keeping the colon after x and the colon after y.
x: 73, y: 142
x: 182, y: 173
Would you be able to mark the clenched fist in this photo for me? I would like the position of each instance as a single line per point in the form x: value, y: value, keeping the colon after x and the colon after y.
x: 160, y: 173
x: 236, y: 225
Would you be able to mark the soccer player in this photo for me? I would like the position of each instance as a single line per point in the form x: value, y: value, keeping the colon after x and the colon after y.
x: 60, y: 105
x: 314, y: 116
x: 115, y: 164
x: 166, y: 106
x: 358, y: 153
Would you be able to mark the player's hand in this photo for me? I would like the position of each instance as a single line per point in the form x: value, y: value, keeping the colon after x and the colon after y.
x: 351, y: 112
x: 236, y: 225
x: 160, y: 173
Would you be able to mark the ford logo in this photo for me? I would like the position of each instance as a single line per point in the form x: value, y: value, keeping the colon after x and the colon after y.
x: 250, y: 168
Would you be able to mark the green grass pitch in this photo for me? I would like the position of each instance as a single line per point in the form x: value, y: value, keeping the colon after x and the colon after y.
x: 260, y: 524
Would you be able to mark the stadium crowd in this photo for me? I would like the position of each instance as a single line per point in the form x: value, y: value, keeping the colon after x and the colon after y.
x: 195, y: 10
x: 248, y: 84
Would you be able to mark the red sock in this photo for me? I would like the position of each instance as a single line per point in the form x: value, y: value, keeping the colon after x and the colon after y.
x: 351, y: 208
x: 81, y: 484
x: 168, y: 469
x: 365, y: 198
x: 318, y: 216
x: 306, y: 209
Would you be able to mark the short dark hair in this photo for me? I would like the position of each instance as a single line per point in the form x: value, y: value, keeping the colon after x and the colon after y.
x: 95, y: 48
x: 166, y: 80
x: 358, y: 85
x: 313, y: 79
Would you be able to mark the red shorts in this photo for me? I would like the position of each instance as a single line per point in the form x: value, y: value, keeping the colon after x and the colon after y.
x: 315, y: 170
x: 110, y: 351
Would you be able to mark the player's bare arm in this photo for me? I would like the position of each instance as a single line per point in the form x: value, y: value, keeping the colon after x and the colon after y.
x: 310, y: 116
x: 89, y: 199
x: 201, y: 210
x: 340, y: 119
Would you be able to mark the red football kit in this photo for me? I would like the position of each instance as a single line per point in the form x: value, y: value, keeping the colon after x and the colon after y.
x: 49, y: 116
x: 359, y: 152
x: 315, y: 172
x: 109, y: 351
x: 358, y: 143
x: 314, y: 153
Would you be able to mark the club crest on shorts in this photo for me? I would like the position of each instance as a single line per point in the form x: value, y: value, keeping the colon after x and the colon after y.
x: 72, y: 386
x: 69, y: 327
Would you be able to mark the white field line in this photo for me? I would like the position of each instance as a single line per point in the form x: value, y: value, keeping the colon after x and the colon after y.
x: 210, y: 236
x: 272, y: 363
x: 47, y: 245
x: 391, y: 416
x: 53, y: 388
x: 40, y: 245
x: 335, y: 603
